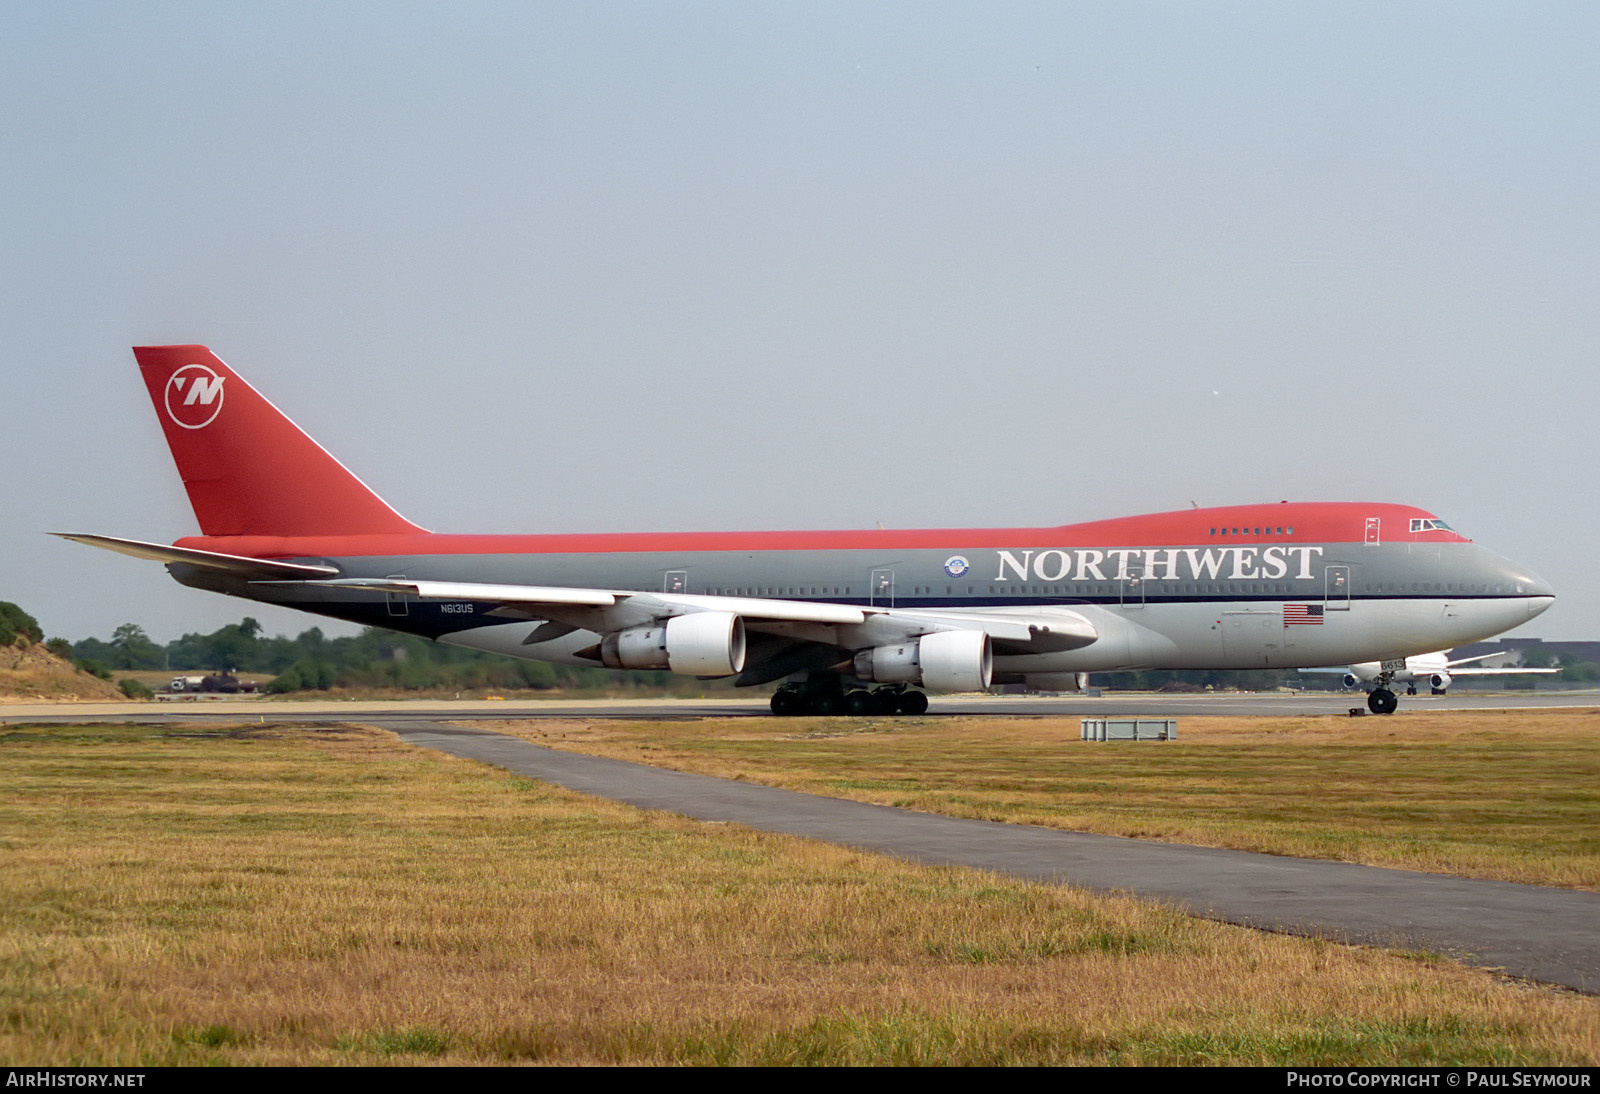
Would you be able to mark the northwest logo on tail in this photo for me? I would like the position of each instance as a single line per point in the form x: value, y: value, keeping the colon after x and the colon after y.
x: 194, y: 396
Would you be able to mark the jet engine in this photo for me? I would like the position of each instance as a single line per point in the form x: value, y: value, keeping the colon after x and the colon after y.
x: 1351, y: 680
x: 1439, y: 681
x: 699, y: 644
x: 942, y: 661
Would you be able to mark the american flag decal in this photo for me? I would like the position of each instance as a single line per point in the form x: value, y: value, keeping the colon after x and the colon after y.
x: 1302, y: 614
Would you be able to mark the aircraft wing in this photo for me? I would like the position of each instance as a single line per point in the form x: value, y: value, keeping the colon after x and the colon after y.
x: 1451, y: 668
x: 842, y: 625
x: 1502, y: 672
x: 553, y: 596
x: 1470, y: 660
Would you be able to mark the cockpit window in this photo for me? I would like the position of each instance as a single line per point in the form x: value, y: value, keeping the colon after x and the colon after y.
x: 1429, y: 524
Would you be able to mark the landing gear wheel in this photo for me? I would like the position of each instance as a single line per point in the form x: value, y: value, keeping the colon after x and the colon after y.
x: 860, y: 702
x: 913, y: 702
x: 785, y: 701
x: 826, y: 702
x: 886, y: 700
x: 1382, y: 701
x: 1411, y: 689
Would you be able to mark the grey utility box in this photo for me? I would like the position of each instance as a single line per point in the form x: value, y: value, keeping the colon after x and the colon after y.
x: 1130, y: 729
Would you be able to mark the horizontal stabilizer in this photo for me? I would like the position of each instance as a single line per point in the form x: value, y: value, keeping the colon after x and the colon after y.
x: 236, y: 564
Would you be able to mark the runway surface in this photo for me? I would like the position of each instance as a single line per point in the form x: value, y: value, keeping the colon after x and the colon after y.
x: 1198, y: 705
x: 1530, y: 931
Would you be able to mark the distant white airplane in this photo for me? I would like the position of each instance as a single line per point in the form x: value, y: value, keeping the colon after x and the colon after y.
x: 1436, y: 669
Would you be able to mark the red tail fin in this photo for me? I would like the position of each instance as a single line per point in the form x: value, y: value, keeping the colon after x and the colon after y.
x: 249, y: 470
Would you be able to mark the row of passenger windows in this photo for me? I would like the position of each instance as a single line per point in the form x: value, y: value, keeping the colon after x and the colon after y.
x: 1252, y: 531
x: 1161, y: 588
x: 779, y: 590
x: 1166, y: 588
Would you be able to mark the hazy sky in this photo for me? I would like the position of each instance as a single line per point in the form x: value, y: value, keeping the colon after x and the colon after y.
x: 595, y: 267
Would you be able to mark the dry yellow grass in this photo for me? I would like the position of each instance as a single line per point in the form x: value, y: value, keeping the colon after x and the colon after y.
x: 30, y: 673
x: 273, y: 895
x: 1508, y: 795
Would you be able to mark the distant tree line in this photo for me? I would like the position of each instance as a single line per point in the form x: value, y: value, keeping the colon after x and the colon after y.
x: 14, y: 622
x: 372, y: 659
x: 385, y: 659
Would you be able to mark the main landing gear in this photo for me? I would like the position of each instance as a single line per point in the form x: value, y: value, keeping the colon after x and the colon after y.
x: 827, y: 695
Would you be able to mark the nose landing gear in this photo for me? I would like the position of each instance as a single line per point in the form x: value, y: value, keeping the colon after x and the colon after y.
x: 1380, y: 700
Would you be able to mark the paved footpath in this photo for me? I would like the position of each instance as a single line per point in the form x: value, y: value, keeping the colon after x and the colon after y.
x: 1530, y: 931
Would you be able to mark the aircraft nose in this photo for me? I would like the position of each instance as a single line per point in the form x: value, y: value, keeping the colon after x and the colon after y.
x: 1539, y: 592
x: 1520, y: 582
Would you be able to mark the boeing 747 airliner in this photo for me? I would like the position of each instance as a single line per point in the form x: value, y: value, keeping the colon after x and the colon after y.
x: 853, y: 621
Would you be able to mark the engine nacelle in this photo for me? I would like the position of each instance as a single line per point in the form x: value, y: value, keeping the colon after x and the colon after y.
x: 942, y: 661
x: 1351, y: 680
x: 1056, y: 681
x: 1439, y: 681
x: 700, y: 644
x: 890, y: 664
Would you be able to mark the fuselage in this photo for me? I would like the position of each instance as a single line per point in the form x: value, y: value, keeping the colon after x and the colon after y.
x: 1262, y: 586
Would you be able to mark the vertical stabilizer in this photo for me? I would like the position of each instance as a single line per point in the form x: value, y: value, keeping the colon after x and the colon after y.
x: 249, y: 470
